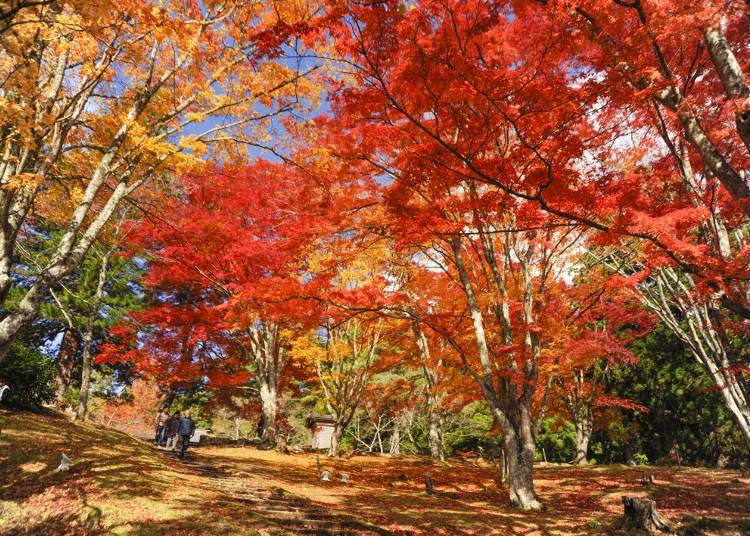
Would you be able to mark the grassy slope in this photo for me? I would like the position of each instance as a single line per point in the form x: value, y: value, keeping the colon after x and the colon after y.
x: 119, y: 485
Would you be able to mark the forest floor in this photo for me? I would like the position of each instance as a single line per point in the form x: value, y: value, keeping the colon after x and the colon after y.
x: 120, y: 485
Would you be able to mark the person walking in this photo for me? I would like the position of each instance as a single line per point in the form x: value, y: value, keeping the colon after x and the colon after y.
x: 171, y: 431
x: 161, y: 420
x: 185, y: 430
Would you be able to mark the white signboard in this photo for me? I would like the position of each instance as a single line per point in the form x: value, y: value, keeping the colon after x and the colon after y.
x: 322, y: 433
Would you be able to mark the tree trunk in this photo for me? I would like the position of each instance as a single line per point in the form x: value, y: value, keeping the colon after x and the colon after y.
x: 674, y: 448
x: 519, y: 456
x: 629, y: 457
x: 236, y: 429
x: 338, y: 433
x: 511, y: 402
x: 269, y: 357
x: 436, y: 417
x: 395, y: 440
x: 83, y: 398
x: 268, y: 400
x: 437, y: 430
x: 88, y: 338
x: 584, y: 426
x: 732, y: 78
x: 66, y: 360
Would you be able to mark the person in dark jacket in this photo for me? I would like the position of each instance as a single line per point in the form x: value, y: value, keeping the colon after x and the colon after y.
x: 185, y: 430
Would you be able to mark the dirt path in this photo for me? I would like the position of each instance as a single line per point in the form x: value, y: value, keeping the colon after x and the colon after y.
x: 292, y: 513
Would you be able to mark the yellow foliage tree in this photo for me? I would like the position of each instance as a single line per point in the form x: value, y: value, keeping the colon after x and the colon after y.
x: 99, y: 98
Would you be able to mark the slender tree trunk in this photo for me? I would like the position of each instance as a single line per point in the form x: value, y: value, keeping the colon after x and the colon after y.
x: 88, y: 338
x: 83, y: 399
x: 700, y: 327
x: 584, y: 426
x: 336, y: 437
x: 436, y: 417
x: 436, y: 433
x: 236, y: 429
x: 395, y: 448
x: 66, y: 360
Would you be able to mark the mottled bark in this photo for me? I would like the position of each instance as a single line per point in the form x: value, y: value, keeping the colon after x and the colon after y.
x: 583, y: 425
x: 732, y: 78
x: 435, y: 412
x: 436, y: 434
x: 336, y: 437
x: 519, y: 456
x: 66, y: 360
x: 395, y: 440
x: 88, y: 359
x: 510, y: 403
x: 270, y: 358
x: 269, y: 401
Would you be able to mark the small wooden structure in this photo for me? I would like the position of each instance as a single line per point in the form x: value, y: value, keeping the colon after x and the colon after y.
x: 322, y: 430
x: 322, y: 427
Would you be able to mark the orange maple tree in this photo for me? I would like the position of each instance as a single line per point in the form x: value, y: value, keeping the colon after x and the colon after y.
x: 526, y: 113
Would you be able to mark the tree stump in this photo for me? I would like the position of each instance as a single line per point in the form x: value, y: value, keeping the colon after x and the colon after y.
x: 282, y: 445
x: 641, y: 513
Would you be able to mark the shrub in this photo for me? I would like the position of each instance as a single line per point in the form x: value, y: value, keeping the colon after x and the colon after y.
x: 28, y: 374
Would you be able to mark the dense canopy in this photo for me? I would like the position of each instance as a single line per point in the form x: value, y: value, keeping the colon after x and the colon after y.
x: 388, y: 210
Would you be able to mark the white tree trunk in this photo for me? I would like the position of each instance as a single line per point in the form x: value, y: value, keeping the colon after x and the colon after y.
x: 435, y: 413
x: 269, y: 401
x: 699, y: 327
x: 436, y: 434
x: 336, y: 437
x: 583, y: 426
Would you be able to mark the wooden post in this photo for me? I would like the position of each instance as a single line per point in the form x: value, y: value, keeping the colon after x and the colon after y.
x: 503, y: 466
x: 429, y: 486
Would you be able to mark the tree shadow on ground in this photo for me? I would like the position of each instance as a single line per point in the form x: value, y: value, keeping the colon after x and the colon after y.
x: 31, y: 449
x: 116, y: 485
x: 579, y: 500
